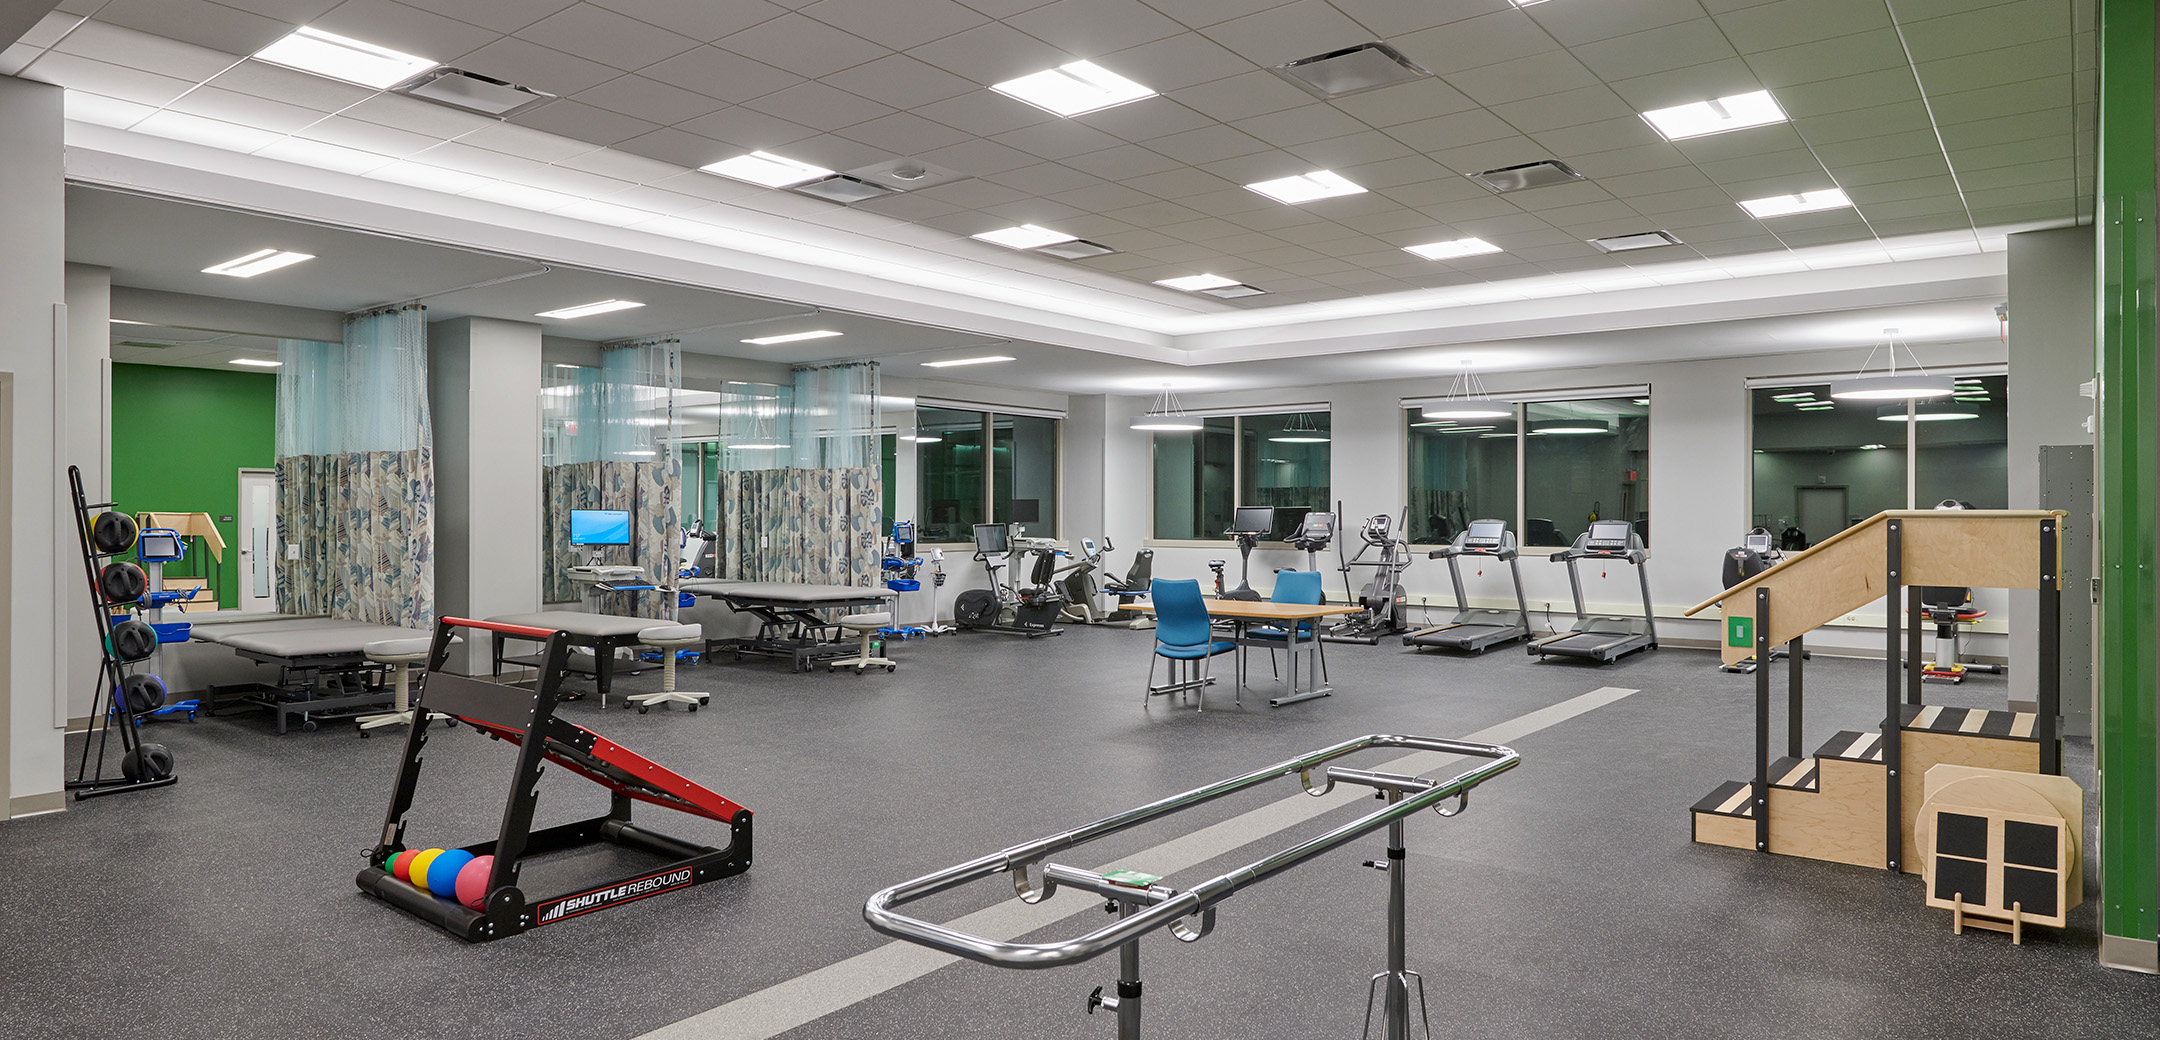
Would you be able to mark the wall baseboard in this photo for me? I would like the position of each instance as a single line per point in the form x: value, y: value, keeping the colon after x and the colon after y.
x: 2128, y: 954
x: 35, y: 804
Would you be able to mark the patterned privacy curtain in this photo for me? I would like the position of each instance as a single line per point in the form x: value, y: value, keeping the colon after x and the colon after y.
x: 356, y: 473
x: 608, y: 443
x: 801, y: 487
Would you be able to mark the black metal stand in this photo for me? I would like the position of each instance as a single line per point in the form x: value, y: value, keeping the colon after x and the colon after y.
x: 109, y: 707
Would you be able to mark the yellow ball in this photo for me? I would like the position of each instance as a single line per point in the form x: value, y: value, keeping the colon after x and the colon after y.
x: 420, y: 864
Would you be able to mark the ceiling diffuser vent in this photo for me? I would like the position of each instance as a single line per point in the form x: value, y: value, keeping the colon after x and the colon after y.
x: 1232, y: 292
x: 844, y: 189
x: 1642, y: 240
x: 1526, y: 176
x: 1077, y: 249
x: 1352, y: 70
x: 475, y: 93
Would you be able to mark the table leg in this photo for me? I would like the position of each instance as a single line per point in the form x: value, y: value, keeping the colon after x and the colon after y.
x: 1309, y: 647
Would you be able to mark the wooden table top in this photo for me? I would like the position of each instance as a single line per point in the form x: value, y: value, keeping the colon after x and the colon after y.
x: 1242, y: 608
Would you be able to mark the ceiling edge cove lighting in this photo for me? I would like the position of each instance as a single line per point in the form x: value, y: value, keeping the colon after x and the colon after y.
x: 261, y: 261
x: 588, y: 309
x: 1074, y: 89
x: 255, y: 362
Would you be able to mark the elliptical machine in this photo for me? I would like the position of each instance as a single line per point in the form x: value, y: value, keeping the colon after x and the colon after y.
x: 1384, y: 602
x: 1083, y: 596
x: 1001, y: 607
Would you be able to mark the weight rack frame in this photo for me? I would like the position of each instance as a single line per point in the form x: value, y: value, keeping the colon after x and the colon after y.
x: 107, y: 703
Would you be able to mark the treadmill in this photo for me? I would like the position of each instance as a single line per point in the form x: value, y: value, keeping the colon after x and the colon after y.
x: 1476, y: 629
x: 1605, y: 638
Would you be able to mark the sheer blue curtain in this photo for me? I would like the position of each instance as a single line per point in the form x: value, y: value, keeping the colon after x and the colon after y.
x: 608, y: 443
x: 355, y: 472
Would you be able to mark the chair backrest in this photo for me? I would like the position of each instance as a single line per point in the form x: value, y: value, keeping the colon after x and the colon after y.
x: 1181, y: 619
x: 1301, y: 587
x: 1143, y: 569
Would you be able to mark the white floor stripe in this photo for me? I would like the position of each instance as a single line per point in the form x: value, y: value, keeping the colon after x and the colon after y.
x: 806, y: 998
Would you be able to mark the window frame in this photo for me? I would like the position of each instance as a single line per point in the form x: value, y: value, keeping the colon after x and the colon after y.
x: 1520, y: 403
x: 989, y: 415
x: 1237, y: 419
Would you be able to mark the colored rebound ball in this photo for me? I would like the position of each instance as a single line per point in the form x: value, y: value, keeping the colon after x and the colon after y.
x: 416, y: 872
x: 472, y: 881
x: 442, y: 873
x: 401, y: 864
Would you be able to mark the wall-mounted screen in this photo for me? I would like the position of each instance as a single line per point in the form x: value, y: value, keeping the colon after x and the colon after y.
x: 599, y: 527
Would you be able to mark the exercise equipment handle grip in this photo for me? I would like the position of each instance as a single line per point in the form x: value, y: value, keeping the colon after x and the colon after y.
x: 497, y: 626
x: 1201, y: 898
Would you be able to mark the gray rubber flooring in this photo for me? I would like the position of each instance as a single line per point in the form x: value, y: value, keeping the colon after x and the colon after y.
x: 1568, y: 902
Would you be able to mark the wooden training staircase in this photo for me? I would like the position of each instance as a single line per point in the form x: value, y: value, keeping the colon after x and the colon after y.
x: 1854, y: 800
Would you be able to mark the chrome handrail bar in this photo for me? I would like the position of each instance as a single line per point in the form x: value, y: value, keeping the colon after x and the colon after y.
x: 1023, y: 860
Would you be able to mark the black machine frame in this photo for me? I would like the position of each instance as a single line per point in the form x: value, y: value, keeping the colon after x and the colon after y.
x: 109, y: 708
x: 527, y: 719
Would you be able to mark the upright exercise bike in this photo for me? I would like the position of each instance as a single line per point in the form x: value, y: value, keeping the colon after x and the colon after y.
x: 1383, y: 601
x: 1001, y: 607
x: 1248, y: 526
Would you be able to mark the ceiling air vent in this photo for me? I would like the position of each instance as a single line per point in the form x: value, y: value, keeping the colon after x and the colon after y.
x: 1352, y: 70
x: 1641, y: 240
x: 1077, y: 249
x: 1528, y: 175
x: 844, y: 189
x: 475, y: 93
x: 1232, y: 292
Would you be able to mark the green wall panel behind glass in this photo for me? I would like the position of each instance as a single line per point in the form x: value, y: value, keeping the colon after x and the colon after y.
x: 180, y: 437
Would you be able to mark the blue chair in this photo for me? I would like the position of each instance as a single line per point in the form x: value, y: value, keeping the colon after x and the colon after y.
x: 1300, y: 587
x: 1184, y: 637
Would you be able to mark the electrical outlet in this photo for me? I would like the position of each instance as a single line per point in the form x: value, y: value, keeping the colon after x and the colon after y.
x: 292, y: 550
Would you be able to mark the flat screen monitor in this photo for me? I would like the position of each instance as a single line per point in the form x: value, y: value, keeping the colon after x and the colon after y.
x: 599, y: 527
x: 1087, y: 546
x: 1259, y: 520
x: 1287, y: 520
x: 1610, y: 534
x: 993, y: 539
x: 158, y: 546
x: 1758, y: 542
x: 1486, y: 532
x: 1026, y: 510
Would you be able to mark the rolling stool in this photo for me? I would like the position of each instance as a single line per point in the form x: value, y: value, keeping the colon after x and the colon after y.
x: 866, y: 626
x: 668, y: 639
x: 399, y: 655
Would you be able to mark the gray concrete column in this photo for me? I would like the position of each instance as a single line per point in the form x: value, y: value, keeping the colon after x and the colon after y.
x: 484, y: 393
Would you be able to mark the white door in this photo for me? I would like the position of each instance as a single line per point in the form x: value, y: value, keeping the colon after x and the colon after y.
x: 258, y: 540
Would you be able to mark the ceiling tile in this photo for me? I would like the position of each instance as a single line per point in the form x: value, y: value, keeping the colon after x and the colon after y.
x: 704, y: 20
x: 1846, y: 93
x: 718, y: 73
x: 1242, y: 96
x: 1208, y: 144
x: 641, y: 171
x: 1146, y: 119
x: 245, y: 109
x: 269, y: 81
x: 1056, y: 140
x: 991, y: 53
x: 1892, y: 170
x: 198, y: 22
x: 1405, y: 103
x: 1713, y: 79
x: 1994, y: 68
x: 1896, y: 191
x: 1758, y: 140
x: 896, y: 25
x: 523, y: 142
x: 835, y: 152
x: 748, y: 129
x: 2009, y: 99
x: 901, y: 81
x: 1391, y: 18
x: 908, y: 206
x: 1656, y: 50
x: 1484, y: 40
x: 530, y: 64
x: 1031, y: 211
x: 1396, y: 172
x: 1899, y: 117
x: 368, y: 137
x: 1788, y: 22
x: 978, y: 158
x: 1790, y: 162
x: 2024, y: 126
x: 1521, y: 78
x: 1313, y: 122
x: 1003, y: 8
x: 1180, y: 184
x: 1100, y: 197
x: 438, y: 121
x: 1452, y: 131
x: 1780, y: 184
x: 1336, y: 153
x: 1435, y: 192
x: 983, y: 113
x: 1574, y: 24
x: 1045, y: 178
x: 1639, y: 159
x: 141, y: 51
x: 1828, y: 59
x: 2055, y: 171
x: 1878, y: 213
x: 1091, y: 28
x: 1667, y: 202
x: 1175, y: 62
x: 1492, y: 155
x: 583, y: 122
x: 804, y: 46
x: 1604, y: 136
x: 1126, y: 160
x: 1629, y: 185
x: 904, y: 133
x: 1875, y: 149
x: 1540, y: 201
x: 298, y: 12
x: 816, y: 105
x: 1571, y: 108
x: 1972, y: 32
x: 975, y: 194
x: 1155, y: 214
x: 647, y: 99
x: 1289, y: 32
x: 2015, y: 153
x: 602, y: 35
x: 405, y: 27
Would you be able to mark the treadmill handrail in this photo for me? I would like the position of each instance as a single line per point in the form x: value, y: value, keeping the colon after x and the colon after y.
x: 1035, y: 879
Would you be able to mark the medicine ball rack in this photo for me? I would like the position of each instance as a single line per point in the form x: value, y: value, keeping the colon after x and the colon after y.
x: 122, y: 699
x: 526, y: 718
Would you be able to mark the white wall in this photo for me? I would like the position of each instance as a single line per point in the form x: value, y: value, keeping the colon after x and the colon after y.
x: 484, y: 392
x: 88, y: 410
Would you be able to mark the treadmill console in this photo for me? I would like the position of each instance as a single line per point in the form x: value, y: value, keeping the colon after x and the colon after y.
x: 1610, y: 538
x: 1485, y: 535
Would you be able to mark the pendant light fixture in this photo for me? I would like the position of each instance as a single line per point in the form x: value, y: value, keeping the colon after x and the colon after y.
x: 1913, y: 384
x: 1926, y: 411
x: 1300, y: 431
x: 1574, y: 422
x: 1167, y: 416
x: 1467, y: 399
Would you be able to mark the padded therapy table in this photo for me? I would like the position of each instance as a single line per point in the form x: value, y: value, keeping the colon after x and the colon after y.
x: 322, y: 665
x: 603, y: 634
x: 789, y: 622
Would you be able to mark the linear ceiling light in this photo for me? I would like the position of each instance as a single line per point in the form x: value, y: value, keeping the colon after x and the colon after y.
x: 344, y: 58
x: 1306, y: 187
x: 792, y: 337
x: 1716, y: 116
x: 255, y: 362
x: 1452, y: 249
x: 957, y: 362
x: 257, y: 262
x: 1801, y: 202
x: 1070, y: 90
x: 767, y: 169
x: 588, y: 309
x: 1198, y: 282
x: 1025, y: 236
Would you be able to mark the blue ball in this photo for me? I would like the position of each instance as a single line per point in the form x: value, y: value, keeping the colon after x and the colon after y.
x: 442, y: 873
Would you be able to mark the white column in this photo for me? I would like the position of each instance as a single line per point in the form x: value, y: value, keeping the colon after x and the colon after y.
x: 484, y: 392
x: 88, y: 411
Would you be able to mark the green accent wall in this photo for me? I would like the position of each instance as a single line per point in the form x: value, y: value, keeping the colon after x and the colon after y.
x: 2129, y: 456
x: 180, y: 437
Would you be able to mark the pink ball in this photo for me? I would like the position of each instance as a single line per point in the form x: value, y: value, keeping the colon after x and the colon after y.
x: 472, y: 881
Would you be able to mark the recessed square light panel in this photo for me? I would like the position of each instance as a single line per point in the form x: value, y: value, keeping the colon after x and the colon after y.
x: 1075, y: 89
x: 767, y: 170
x: 1715, y: 116
x: 1452, y: 249
x: 1641, y: 240
x: 1352, y: 70
x: 1542, y: 173
x: 1024, y: 236
x: 261, y: 261
x: 475, y: 93
x: 344, y: 58
x: 1197, y: 282
x: 1307, y: 187
x: 1803, y: 202
x: 586, y: 310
